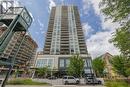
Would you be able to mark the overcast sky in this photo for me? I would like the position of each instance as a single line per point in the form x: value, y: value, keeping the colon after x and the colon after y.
x: 97, y: 31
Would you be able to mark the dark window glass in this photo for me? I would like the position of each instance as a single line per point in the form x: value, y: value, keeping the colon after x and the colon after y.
x: 70, y: 77
x: 65, y: 78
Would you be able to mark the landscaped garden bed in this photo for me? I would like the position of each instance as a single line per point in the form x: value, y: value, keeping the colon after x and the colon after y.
x: 23, y: 81
x: 116, y: 83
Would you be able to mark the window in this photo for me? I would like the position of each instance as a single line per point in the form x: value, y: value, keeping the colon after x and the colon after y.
x: 72, y: 50
x: 57, y: 50
x: 89, y: 63
x: 70, y: 77
x: 85, y: 63
x: 67, y: 62
x: 65, y: 78
x: 50, y: 61
x: 62, y: 63
x: 44, y: 62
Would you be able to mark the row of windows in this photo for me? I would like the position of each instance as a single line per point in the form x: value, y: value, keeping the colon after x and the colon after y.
x: 56, y: 35
x: 74, y: 46
x: 66, y: 62
x: 55, y: 45
x: 62, y: 63
x: 45, y: 63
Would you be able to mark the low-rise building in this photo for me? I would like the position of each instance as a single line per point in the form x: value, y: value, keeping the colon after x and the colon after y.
x: 110, y: 73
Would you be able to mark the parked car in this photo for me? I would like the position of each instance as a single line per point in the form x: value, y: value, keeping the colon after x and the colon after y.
x: 70, y: 80
x: 52, y: 77
x: 91, y: 79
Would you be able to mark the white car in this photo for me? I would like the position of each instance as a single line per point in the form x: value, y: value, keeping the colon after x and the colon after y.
x: 70, y: 80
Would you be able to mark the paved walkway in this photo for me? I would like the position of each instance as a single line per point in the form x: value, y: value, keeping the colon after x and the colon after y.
x: 54, y: 86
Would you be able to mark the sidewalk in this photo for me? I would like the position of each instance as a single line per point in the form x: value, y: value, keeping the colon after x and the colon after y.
x: 54, y: 86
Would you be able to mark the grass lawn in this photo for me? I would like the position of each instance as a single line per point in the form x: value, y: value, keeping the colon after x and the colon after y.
x: 116, y: 83
x: 23, y: 81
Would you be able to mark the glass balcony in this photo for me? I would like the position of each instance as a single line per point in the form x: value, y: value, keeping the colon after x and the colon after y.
x: 24, y: 18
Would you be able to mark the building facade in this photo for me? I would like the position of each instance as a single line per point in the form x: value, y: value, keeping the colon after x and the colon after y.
x: 26, y: 53
x: 64, y: 38
x: 16, y: 48
x: 110, y: 73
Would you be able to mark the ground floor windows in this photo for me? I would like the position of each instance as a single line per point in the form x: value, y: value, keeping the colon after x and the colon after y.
x: 64, y: 62
x: 67, y: 62
x: 50, y: 62
x: 88, y: 63
x: 60, y: 63
x: 44, y: 63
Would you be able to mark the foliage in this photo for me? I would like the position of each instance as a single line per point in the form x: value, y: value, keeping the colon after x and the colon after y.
x: 98, y: 66
x: 119, y: 11
x: 76, y: 66
x: 16, y: 73
x: 42, y: 71
x: 121, y: 65
x: 23, y: 81
x: 121, y: 39
x: 116, y: 84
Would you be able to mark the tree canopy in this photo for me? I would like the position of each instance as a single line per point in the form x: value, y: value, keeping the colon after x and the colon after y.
x: 121, y: 65
x: 76, y: 66
x: 119, y: 11
x: 98, y: 66
x: 42, y: 71
x: 122, y: 40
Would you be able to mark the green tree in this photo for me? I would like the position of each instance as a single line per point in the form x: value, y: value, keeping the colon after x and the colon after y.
x: 98, y: 66
x: 16, y: 73
x: 121, y: 40
x: 121, y: 65
x: 76, y: 66
x: 41, y: 72
x: 119, y: 11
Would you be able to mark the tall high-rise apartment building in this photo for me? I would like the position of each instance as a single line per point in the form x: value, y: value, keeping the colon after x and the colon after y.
x: 64, y: 38
x: 65, y: 35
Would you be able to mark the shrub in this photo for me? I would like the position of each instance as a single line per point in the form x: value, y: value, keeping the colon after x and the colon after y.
x: 116, y: 84
x: 23, y: 81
